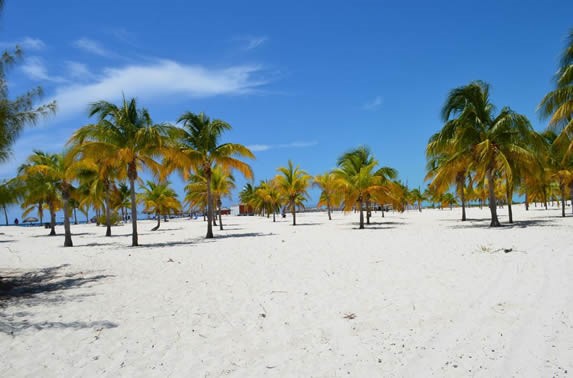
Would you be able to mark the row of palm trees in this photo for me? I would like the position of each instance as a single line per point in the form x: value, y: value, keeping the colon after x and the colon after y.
x: 357, y: 183
x: 101, y: 157
x: 478, y: 146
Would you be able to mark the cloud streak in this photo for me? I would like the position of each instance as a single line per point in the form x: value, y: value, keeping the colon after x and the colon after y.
x: 91, y: 46
x: 373, y: 104
x: 252, y: 42
x: 28, y: 43
x: 266, y: 147
x: 35, y: 69
x: 157, y: 80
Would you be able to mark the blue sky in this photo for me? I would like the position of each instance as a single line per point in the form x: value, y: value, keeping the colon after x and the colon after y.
x: 297, y: 80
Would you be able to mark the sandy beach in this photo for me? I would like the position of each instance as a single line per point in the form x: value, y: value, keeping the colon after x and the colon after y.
x: 415, y: 294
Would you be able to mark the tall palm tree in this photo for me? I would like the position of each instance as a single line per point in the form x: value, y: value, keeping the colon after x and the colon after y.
x: 101, y: 172
x: 491, y: 140
x: 57, y: 169
x: 559, y: 165
x: 198, y: 147
x: 418, y: 197
x: 270, y: 198
x: 362, y: 182
x: 159, y: 198
x: 126, y: 134
x: 331, y: 191
x: 293, y: 183
x: 38, y: 191
x: 9, y: 195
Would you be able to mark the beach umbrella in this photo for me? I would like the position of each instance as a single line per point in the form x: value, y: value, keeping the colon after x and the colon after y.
x: 31, y: 220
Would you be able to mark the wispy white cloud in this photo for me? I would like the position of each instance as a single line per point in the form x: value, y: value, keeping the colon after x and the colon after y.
x: 374, y: 103
x: 158, y: 80
x: 78, y: 71
x: 91, y: 46
x: 35, y: 69
x: 252, y: 42
x: 266, y: 147
x: 27, y: 43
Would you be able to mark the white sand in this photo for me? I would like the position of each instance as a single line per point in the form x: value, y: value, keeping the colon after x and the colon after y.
x: 431, y: 296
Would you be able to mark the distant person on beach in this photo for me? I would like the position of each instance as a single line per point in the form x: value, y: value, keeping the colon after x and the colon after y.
x: 16, y: 221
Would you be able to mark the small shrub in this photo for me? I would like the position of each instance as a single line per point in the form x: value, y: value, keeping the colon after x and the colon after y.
x: 115, y: 219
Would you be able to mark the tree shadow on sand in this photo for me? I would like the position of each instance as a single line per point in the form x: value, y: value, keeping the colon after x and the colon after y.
x: 485, y: 223
x: 47, y: 286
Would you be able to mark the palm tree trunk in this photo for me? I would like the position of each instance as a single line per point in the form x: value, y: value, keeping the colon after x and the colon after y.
x: 107, y: 211
x: 293, y: 208
x: 41, y: 212
x: 509, y: 203
x: 132, y: 173
x: 158, y: 222
x: 328, y: 208
x: 52, y: 220
x: 209, y: 206
x: 67, y: 229
x: 221, y: 218
x: 492, y: 201
x: 526, y: 202
x: 5, y: 214
x: 562, y: 199
x: 462, y: 198
x: 75, y: 216
x: 571, y: 194
x: 361, y: 215
x: 274, y: 213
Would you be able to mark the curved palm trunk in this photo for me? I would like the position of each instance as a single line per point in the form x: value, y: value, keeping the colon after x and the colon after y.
x: 209, y: 206
x: 41, y: 212
x: 293, y: 209
x: 67, y: 228
x: 492, y: 201
x: 107, y: 211
x: 5, y: 214
x: 52, y: 220
x: 158, y: 222
x: 132, y: 173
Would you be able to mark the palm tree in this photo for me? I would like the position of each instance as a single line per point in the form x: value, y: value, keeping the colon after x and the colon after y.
x: 491, y: 140
x: 559, y: 165
x: 331, y: 193
x: 269, y: 197
x: 247, y: 196
x: 292, y: 182
x: 127, y: 135
x: 38, y: 191
x: 418, y: 197
x: 101, y: 172
x: 557, y: 105
x: 222, y: 183
x: 57, y: 169
x: 362, y: 182
x: 198, y: 147
x: 9, y: 194
x: 159, y: 198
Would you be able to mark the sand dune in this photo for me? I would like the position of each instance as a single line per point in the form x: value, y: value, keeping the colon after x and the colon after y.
x: 415, y: 294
